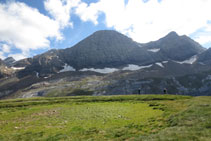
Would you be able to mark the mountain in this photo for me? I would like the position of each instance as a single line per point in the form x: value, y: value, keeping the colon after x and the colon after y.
x: 4, y: 70
x: 9, y: 61
x: 42, y: 65
x: 106, y: 48
x: 110, y: 49
x: 1, y: 62
x: 175, y: 47
x: 108, y: 62
x: 205, y: 57
x: 100, y: 50
x: 22, y: 63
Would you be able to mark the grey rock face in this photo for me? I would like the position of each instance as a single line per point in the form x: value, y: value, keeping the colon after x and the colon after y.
x: 205, y: 57
x: 43, y: 64
x: 175, y: 47
x: 106, y: 49
x: 23, y: 63
x: 9, y: 61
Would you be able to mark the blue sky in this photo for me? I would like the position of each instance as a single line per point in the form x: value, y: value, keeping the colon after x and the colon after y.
x: 31, y: 27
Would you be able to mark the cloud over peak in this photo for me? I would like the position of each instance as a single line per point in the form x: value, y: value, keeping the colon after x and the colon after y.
x: 61, y: 10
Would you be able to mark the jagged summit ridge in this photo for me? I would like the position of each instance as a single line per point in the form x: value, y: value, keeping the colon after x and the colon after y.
x: 111, y: 49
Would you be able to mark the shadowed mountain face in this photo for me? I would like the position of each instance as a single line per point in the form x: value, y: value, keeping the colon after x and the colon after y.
x: 205, y: 57
x: 4, y: 70
x: 9, y: 61
x: 2, y: 67
x: 106, y: 49
x: 175, y: 47
x: 43, y: 64
x: 1, y: 62
x: 23, y: 63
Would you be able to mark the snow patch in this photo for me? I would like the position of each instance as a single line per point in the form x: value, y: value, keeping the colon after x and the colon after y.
x: 105, y: 70
x: 188, y: 61
x: 154, y: 50
x: 37, y: 74
x: 18, y: 68
x: 165, y: 62
x: 135, y: 67
x: 140, y: 45
x: 201, y: 63
x: 67, y: 68
x: 160, y: 64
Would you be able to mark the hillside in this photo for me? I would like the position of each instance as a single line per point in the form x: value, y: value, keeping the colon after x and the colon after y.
x: 134, y: 117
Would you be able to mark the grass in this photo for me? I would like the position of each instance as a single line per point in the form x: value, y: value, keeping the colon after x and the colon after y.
x: 132, y: 117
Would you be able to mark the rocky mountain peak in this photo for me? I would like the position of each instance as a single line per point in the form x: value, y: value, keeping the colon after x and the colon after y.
x: 172, y: 34
x: 9, y: 61
x: 103, y: 38
x: 175, y: 47
x: 105, y: 33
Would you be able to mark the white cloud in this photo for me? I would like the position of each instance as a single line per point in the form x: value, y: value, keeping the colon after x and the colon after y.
x: 147, y: 21
x: 2, y: 55
x: 5, y: 48
x: 61, y: 10
x: 88, y: 13
x: 26, y: 28
x: 203, y: 39
x: 204, y: 35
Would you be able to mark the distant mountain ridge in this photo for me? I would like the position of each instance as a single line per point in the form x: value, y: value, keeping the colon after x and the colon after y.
x: 9, y: 61
x: 110, y: 49
x: 176, y: 47
x: 205, y: 57
x: 108, y: 62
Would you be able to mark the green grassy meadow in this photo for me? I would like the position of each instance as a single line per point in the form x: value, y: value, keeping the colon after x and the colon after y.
x: 131, y: 117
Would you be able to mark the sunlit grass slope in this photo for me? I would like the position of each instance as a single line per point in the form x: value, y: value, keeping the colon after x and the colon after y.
x: 134, y: 117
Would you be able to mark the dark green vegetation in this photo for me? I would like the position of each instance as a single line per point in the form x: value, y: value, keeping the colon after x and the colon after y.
x: 133, y: 117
